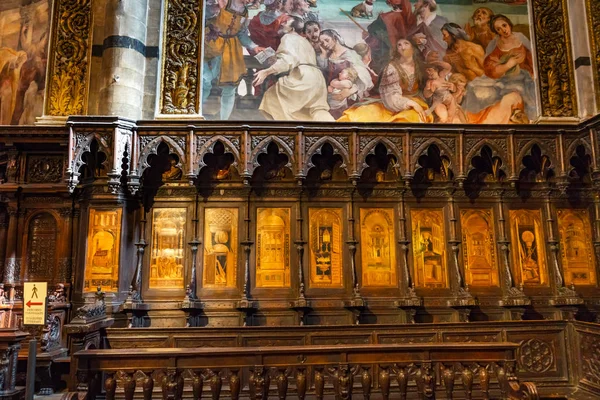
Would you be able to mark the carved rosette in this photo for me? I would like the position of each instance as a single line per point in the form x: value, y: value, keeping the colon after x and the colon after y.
x: 556, y: 70
x: 593, y: 12
x: 181, y: 55
x: 69, y: 76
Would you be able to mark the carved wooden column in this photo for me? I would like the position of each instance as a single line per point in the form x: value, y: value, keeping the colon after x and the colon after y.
x: 513, y: 298
x: 245, y: 304
x: 356, y: 304
x: 410, y: 301
x: 301, y: 305
x: 69, y: 62
x: 463, y: 301
x: 12, y: 263
x: 191, y: 304
x: 566, y: 299
x: 556, y: 68
x: 180, y: 81
x: 3, y: 236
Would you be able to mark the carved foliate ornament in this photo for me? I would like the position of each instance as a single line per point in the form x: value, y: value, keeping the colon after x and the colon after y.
x: 181, y: 55
x: 556, y: 73
x: 68, y: 86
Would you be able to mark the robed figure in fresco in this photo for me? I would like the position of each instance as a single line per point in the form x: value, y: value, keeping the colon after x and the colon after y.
x: 300, y: 95
x: 225, y: 36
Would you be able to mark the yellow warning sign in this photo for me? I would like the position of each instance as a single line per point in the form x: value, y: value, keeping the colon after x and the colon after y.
x: 34, y: 303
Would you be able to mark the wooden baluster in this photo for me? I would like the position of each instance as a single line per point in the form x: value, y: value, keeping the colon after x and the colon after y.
x: 172, y: 385
x: 148, y: 386
x: 448, y: 378
x: 343, y: 382
x: 384, y: 381
x: 484, y: 382
x: 425, y: 381
x: 467, y: 380
x: 282, y: 383
x: 234, y: 384
x: 259, y: 383
x: 215, y: 384
x: 110, y: 385
x: 502, y: 380
x: 402, y: 378
x: 366, y: 381
x: 319, y: 382
x: 197, y: 383
x: 129, y: 385
x: 301, y: 382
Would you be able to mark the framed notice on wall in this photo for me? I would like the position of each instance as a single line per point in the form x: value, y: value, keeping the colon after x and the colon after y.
x: 34, y: 303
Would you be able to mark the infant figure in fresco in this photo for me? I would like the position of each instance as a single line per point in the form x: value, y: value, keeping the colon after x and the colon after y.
x: 443, y: 103
x: 346, y: 80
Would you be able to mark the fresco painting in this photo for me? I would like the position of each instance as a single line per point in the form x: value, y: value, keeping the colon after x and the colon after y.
x: 419, y: 61
x: 24, y: 32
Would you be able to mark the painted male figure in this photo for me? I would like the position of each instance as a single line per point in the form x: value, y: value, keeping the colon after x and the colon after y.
x: 226, y: 34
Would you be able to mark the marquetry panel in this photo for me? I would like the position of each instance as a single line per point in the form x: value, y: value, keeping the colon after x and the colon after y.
x: 577, y: 253
x: 429, y: 248
x: 220, y: 247
x: 325, y: 247
x: 273, y: 247
x: 103, y: 249
x: 479, y: 248
x: 528, y: 248
x: 378, y: 247
x: 168, y: 248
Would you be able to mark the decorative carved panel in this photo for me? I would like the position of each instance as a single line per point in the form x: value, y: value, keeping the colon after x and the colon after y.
x: 536, y: 356
x: 378, y: 247
x: 479, y: 247
x: 429, y: 248
x: 42, y: 235
x: 593, y: 13
x: 69, y: 73
x: 590, y: 358
x: 44, y: 169
x: 168, y: 248
x: 326, y: 245
x: 553, y: 44
x: 577, y: 253
x: 181, y: 66
x: 273, y: 247
x: 103, y: 249
x: 528, y: 248
x: 220, y: 247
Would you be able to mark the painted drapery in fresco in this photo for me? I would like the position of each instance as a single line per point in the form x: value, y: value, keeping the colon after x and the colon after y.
x: 447, y: 61
x: 24, y: 33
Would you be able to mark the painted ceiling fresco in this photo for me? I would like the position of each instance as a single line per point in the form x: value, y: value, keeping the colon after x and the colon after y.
x: 444, y: 61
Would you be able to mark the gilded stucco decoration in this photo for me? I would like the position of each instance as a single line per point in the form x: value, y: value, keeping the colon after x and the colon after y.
x: 593, y: 12
x: 556, y: 74
x: 70, y: 61
x: 180, y: 81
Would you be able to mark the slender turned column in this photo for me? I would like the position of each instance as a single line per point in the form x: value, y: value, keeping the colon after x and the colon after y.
x: 12, y: 263
x: 123, y: 58
x: 3, y: 237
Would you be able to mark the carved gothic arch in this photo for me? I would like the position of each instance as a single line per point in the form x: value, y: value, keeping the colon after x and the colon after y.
x: 261, y: 147
x: 152, y: 148
x: 209, y: 146
x: 392, y: 149
x: 338, y: 149
x: 527, y: 150
x: 444, y: 151
x: 496, y: 152
x: 83, y: 145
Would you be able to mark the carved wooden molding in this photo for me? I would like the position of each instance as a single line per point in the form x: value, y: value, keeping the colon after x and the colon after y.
x: 555, y: 61
x: 68, y: 81
x: 593, y: 13
x: 181, y: 80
